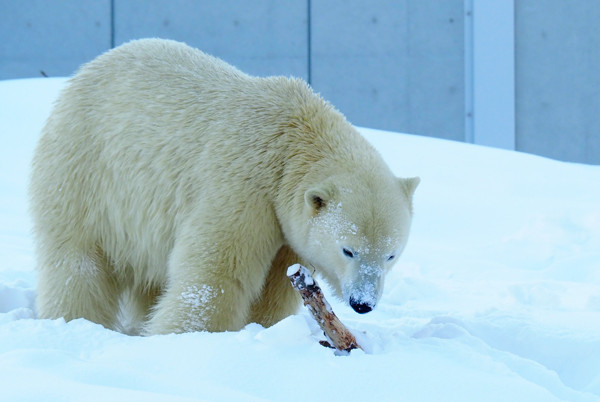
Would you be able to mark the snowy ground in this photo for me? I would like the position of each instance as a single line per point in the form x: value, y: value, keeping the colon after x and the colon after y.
x: 497, y: 296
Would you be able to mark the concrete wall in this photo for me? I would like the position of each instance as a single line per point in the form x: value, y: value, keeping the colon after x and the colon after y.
x: 53, y: 37
x: 389, y: 64
x: 392, y: 64
x: 261, y: 37
x: 558, y: 78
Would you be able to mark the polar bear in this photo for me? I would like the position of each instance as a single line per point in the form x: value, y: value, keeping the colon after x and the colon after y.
x: 172, y: 184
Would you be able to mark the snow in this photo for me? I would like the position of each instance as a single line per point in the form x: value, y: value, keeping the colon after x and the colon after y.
x: 496, y: 297
x: 302, y: 276
x: 292, y: 269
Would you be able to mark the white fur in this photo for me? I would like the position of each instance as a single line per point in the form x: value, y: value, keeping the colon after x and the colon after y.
x: 171, y: 183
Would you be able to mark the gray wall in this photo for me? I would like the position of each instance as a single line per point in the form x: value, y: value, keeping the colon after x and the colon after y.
x: 396, y: 65
x: 387, y: 64
x: 390, y: 64
x: 51, y: 36
x: 558, y: 78
x: 261, y: 37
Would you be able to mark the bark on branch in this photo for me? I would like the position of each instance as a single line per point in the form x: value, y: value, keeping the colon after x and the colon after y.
x: 338, y: 335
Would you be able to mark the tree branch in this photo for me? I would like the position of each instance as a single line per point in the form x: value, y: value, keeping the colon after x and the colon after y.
x: 337, y: 334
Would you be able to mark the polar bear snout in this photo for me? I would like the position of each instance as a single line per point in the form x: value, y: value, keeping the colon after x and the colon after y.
x: 360, y: 307
x: 362, y: 294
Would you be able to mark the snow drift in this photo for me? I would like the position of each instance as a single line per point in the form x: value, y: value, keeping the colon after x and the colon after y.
x: 497, y: 296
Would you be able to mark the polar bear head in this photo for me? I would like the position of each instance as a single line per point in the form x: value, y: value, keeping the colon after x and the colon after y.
x: 357, y: 227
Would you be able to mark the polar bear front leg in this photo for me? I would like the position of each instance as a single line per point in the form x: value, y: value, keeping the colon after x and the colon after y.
x: 278, y: 298
x: 211, y: 285
x: 203, y: 303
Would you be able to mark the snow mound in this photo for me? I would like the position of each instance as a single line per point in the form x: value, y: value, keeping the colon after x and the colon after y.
x: 497, y: 296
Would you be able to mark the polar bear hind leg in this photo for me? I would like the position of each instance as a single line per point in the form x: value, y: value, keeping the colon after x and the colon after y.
x: 77, y: 283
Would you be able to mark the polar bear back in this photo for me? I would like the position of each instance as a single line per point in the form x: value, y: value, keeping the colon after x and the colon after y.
x: 121, y: 155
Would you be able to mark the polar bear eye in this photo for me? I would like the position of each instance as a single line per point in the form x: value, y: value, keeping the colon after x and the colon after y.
x: 347, y: 252
x: 391, y: 257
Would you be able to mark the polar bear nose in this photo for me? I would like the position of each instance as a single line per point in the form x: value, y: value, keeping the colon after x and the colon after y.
x: 360, y: 308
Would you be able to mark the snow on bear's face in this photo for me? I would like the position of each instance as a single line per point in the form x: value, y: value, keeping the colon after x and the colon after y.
x: 357, y: 231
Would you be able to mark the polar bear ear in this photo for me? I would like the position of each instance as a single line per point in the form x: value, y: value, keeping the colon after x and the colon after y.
x: 318, y: 197
x: 410, y: 185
